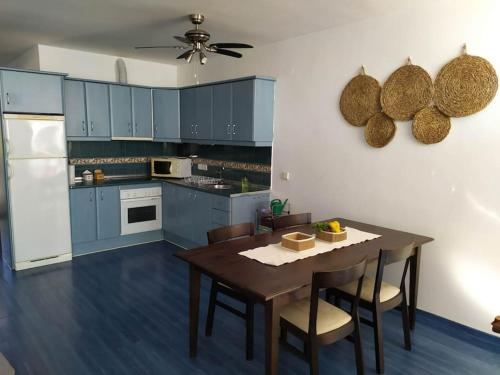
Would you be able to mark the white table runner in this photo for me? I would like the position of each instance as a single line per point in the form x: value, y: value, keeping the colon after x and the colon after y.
x: 276, y: 255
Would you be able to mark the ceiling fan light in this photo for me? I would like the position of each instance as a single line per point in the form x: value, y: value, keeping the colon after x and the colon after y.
x: 190, y: 56
x: 203, y: 58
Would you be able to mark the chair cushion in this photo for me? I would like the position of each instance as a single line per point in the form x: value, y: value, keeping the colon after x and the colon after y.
x: 329, y: 317
x: 387, y: 291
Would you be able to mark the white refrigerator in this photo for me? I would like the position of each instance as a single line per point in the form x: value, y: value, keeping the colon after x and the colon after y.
x: 38, y: 195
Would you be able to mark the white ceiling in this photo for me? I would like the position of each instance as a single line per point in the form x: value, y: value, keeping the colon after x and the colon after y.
x: 116, y: 26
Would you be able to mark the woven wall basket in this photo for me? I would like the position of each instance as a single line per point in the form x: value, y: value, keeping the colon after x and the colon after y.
x: 465, y: 86
x: 360, y: 99
x: 430, y: 125
x: 380, y: 130
x: 406, y: 91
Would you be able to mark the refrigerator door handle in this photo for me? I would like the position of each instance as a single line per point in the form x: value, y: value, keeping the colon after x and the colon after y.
x: 9, y: 171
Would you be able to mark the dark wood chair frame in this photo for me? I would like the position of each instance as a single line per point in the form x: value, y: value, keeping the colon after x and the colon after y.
x: 221, y: 235
x: 350, y: 331
x: 289, y: 221
x: 376, y: 307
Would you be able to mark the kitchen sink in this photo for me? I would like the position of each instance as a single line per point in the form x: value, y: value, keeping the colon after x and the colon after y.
x: 221, y: 186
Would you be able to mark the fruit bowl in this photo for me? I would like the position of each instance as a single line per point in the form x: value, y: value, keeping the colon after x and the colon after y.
x: 332, y: 236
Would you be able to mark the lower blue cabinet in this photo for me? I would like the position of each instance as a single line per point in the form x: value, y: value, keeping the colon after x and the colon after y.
x: 108, y: 212
x: 83, y: 215
x: 95, y: 213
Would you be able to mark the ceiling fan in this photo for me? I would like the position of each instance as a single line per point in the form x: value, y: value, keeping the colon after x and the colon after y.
x: 196, y: 40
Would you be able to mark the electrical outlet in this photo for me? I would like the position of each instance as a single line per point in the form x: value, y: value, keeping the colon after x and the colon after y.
x: 285, y: 176
x: 202, y: 167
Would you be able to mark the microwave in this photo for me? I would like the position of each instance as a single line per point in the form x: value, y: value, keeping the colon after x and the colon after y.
x: 171, y: 167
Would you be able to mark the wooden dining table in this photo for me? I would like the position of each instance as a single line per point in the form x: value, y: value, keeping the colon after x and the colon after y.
x: 277, y: 286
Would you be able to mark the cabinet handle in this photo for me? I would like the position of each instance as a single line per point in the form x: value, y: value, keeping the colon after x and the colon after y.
x: 129, y: 127
x: 234, y: 129
x: 91, y: 126
x: 83, y: 125
x: 91, y: 197
x: 102, y: 195
x: 192, y: 131
x: 196, y: 129
x: 7, y: 97
x: 156, y: 129
x: 228, y: 129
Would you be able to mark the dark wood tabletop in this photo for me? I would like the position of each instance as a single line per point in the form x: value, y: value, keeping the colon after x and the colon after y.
x: 265, y: 282
x: 277, y: 286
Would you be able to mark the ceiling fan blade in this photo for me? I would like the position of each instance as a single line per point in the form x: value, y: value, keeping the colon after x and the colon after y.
x: 185, y: 54
x: 182, y: 39
x: 228, y: 53
x: 231, y: 45
x: 152, y: 47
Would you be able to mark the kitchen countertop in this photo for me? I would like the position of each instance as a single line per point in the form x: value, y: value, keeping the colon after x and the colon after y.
x: 235, y: 191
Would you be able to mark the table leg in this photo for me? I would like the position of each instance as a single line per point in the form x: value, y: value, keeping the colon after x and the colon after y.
x: 414, y: 276
x: 272, y: 336
x: 194, y: 309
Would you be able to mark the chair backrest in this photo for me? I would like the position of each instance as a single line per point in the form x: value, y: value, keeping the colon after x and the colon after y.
x: 332, y: 279
x: 230, y: 232
x: 288, y: 221
x: 387, y: 257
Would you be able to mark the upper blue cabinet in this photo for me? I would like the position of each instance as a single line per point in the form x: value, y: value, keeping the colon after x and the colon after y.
x: 26, y: 92
x: 131, y: 112
x: 166, y: 122
x: 86, y: 108
x: 242, y: 113
x: 196, y: 114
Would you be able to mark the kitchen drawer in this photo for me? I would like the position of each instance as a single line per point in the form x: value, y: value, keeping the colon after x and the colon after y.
x: 221, y: 203
x: 220, y: 218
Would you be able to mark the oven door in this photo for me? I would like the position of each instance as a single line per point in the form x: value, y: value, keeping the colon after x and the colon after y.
x: 140, y: 215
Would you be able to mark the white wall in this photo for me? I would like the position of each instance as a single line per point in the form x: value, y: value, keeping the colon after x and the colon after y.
x: 449, y: 191
x: 27, y: 60
x: 89, y: 65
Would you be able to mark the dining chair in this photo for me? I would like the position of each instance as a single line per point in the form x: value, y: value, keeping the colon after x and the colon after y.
x: 220, y: 235
x: 289, y: 221
x: 317, y: 322
x: 379, y: 296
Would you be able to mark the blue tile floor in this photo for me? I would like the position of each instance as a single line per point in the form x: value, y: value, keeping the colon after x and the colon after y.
x: 125, y: 312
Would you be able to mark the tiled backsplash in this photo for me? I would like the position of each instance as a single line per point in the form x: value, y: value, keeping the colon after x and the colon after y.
x: 239, y: 162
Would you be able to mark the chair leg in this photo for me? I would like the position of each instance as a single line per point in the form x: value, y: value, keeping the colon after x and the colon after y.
x: 211, y: 309
x: 358, y: 350
x: 312, y: 347
x: 406, y: 323
x: 379, y: 345
x: 249, y: 326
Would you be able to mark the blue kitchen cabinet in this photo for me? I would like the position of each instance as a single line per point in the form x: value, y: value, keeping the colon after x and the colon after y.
x: 243, y: 112
x: 170, y: 208
x: 83, y: 215
x: 187, y: 113
x: 196, y: 113
x: 74, y: 108
x: 185, y: 213
x: 244, y: 208
x: 203, y: 112
x: 166, y: 122
x: 26, y: 92
x: 97, y: 105
x: 222, y: 112
x: 108, y: 212
x: 142, y: 113
x: 120, y: 99
x: 200, y: 216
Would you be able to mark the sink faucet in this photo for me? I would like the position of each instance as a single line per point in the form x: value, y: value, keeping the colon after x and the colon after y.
x: 220, y: 173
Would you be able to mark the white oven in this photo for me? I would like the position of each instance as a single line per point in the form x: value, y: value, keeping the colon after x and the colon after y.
x: 140, y: 210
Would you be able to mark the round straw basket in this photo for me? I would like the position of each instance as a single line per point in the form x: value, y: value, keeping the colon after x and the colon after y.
x: 360, y: 99
x: 379, y: 130
x: 465, y: 86
x: 406, y: 91
x: 430, y: 125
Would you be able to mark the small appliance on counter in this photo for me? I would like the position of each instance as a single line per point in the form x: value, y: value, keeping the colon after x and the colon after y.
x: 98, y: 175
x: 171, y: 167
x: 87, y: 176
